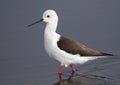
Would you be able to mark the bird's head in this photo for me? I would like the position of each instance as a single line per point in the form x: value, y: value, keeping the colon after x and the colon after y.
x: 49, y: 16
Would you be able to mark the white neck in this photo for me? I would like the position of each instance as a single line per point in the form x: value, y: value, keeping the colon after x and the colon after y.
x: 50, y: 37
x: 51, y: 27
x: 50, y: 31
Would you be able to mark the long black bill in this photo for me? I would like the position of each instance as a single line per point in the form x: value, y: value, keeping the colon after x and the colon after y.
x: 35, y: 22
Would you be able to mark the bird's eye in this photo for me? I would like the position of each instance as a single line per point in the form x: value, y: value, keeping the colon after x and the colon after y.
x: 48, y: 16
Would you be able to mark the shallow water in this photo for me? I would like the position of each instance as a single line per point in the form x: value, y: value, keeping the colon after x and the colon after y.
x: 20, y: 71
x: 23, y: 60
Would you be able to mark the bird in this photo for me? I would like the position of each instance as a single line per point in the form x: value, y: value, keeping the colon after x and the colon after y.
x: 66, y: 51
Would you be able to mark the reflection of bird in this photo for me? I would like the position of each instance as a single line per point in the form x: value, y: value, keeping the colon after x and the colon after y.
x: 86, y: 79
x: 68, y: 81
x: 63, y: 49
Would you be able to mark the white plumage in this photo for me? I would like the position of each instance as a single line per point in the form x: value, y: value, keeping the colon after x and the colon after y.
x: 62, y: 49
x: 50, y: 42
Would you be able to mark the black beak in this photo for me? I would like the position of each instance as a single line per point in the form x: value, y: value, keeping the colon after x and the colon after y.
x: 35, y: 22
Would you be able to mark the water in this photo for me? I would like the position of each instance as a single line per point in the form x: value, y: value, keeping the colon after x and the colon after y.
x: 32, y: 71
x: 23, y: 60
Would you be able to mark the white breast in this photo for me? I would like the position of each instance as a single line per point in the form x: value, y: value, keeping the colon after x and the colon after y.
x: 50, y: 40
x: 50, y: 43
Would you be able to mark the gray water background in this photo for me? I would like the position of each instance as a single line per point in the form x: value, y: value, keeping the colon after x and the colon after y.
x: 23, y: 60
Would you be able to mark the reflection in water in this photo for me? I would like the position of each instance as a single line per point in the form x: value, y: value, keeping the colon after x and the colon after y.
x: 69, y: 78
x: 67, y: 81
x: 76, y: 79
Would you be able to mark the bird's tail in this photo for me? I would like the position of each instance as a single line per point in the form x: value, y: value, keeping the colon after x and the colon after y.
x: 107, y: 54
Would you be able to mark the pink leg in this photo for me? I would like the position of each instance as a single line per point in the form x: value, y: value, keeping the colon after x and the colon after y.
x: 72, y: 68
x: 60, y: 69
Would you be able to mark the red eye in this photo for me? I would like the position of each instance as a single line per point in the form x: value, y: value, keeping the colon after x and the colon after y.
x: 48, y: 16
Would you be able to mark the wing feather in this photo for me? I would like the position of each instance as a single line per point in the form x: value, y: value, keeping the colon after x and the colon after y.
x: 74, y: 47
